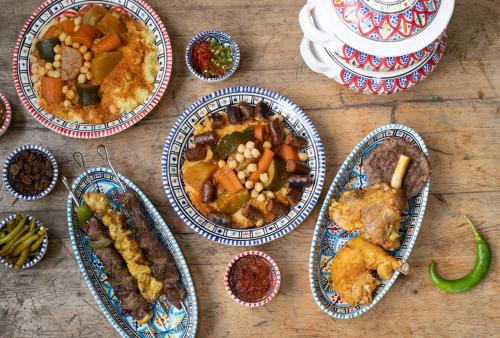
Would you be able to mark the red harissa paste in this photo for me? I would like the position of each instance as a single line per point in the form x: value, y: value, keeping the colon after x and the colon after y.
x: 251, y: 278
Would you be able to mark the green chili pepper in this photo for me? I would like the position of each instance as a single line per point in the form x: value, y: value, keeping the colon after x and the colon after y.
x: 22, y: 259
x: 38, y: 242
x: 14, y: 232
x: 83, y: 213
x: 483, y: 260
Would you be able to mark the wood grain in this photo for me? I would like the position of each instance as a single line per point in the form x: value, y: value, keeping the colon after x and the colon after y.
x: 457, y: 112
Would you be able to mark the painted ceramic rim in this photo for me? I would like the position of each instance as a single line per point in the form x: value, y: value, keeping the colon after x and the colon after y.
x: 37, y: 149
x: 294, y: 111
x: 275, y: 270
x: 7, y: 116
x: 179, y: 257
x: 41, y: 251
x: 221, y: 37
x: 416, y: 42
x: 101, y: 130
x: 324, y: 212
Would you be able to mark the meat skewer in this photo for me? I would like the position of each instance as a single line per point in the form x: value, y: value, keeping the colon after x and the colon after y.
x: 161, y: 262
x: 123, y: 284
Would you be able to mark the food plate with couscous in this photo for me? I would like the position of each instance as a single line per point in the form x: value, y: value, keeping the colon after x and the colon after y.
x: 243, y: 166
x: 92, y: 70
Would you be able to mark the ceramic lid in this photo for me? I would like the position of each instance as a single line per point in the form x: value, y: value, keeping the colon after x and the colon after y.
x: 392, y: 27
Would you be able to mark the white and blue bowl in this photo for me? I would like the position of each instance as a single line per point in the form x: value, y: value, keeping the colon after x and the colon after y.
x: 41, y: 251
x: 13, y: 156
x: 181, y: 136
x: 222, y: 38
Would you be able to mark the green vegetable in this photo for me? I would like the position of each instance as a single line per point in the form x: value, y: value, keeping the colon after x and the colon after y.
x: 481, y: 267
x: 9, y: 247
x: 46, y: 48
x: 25, y: 245
x: 14, y: 232
x: 101, y: 244
x: 88, y: 94
x: 230, y: 203
x: 22, y: 258
x: 83, y: 213
x: 36, y: 244
x: 11, y: 224
x: 230, y: 143
x: 277, y: 174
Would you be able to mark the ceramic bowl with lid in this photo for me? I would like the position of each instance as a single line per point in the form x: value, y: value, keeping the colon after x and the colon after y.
x: 385, y: 28
x: 321, y: 60
x: 315, y: 28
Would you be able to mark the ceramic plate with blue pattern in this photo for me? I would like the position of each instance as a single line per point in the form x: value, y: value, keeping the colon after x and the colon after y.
x: 181, y: 135
x: 328, y: 238
x: 169, y: 322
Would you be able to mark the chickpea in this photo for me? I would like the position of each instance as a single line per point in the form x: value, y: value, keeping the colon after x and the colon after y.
x: 83, y: 49
x: 87, y: 56
x: 67, y: 103
x: 250, y: 145
x: 63, y: 36
x: 266, y: 145
x: 259, y: 223
x: 58, y: 57
x: 42, y: 71
x: 84, y: 70
x: 247, y: 153
x: 303, y: 157
x: 82, y: 78
x: 269, y: 194
x: 259, y: 187
x: 255, y: 152
x: 77, y: 27
x: 128, y: 77
x: 35, y: 69
x: 48, y: 66
x: 241, y: 148
x: 249, y: 184
x: 89, y: 76
x: 252, y: 167
x: 55, y: 74
x: 113, y: 109
x: 65, y: 89
x: 239, y: 157
x: 232, y: 164
x: 35, y: 78
x: 241, y: 175
x: 261, y: 198
x: 87, y: 64
x: 78, y: 20
x: 75, y: 45
x: 221, y: 163
x: 254, y: 193
x: 264, y: 177
x: 56, y: 64
x: 70, y: 94
x: 57, y: 49
x: 68, y: 41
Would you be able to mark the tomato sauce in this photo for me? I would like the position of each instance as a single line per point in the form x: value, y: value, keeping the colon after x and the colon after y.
x: 251, y: 278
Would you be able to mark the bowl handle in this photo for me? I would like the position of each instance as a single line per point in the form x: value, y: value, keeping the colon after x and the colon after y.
x: 313, y: 33
x: 331, y: 70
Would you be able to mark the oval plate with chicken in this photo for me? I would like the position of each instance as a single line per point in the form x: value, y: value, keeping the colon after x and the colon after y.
x: 374, y: 248
x: 93, y: 121
x: 166, y: 322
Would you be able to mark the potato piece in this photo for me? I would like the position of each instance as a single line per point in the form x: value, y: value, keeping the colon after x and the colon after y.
x: 111, y: 24
x: 196, y: 175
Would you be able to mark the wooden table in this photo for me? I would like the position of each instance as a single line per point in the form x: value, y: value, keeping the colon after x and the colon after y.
x: 457, y: 112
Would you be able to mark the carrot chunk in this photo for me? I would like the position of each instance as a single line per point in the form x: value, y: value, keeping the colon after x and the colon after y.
x: 85, y: 35
x: 68, y: 26
x: 52, y: 32
x: 288, y: 152
x: 109, y: 43
x: 52, y: 89
x: 226, y: 178
x: 262, y: 165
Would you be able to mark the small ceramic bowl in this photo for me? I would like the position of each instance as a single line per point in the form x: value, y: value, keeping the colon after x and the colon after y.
x: 222, y: 38
x: 41, y: 251
x: 13, y: 156
x: 276, y: 277
x: 7, y: 114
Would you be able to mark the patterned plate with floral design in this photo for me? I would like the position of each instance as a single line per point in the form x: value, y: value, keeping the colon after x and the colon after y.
x: 171, y: 322
x: 329, y: 238
x: 181, y: 136
x: 21, y: 68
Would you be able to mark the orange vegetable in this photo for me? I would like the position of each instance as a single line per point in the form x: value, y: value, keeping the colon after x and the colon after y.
x: 52, y: 32
x: 111, y: 24
x: 104, y: 63
x: 226, y: 178
x: 288, y: 152
x: 68, y: 26
x: 85, y: 35
x: 52, y: 89
x: 259, y: 132
x: 109, y: 43
x: 262, y: 165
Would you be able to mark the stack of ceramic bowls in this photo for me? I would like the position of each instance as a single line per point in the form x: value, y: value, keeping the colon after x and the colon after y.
x: 375, y: 46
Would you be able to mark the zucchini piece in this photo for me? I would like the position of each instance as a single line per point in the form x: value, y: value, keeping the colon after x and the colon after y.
x: 88, y: 94
x: 277, y: 174
x: 230, y: 142
x: 46, y: 48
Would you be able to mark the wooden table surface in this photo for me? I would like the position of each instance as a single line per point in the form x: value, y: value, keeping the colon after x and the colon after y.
x: 457, y: 112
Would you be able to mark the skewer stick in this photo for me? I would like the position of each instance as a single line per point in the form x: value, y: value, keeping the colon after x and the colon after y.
x: 80, y: 162
x: 399, y: 172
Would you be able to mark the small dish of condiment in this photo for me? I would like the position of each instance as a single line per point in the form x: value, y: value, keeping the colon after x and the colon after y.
x: 30, y: 172
x: 212, y: 56
x: 252, y: 279
x: 5, y: 114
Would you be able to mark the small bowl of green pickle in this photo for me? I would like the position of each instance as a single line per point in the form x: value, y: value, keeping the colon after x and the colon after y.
x: 23, y: 241
x: 212, y: 56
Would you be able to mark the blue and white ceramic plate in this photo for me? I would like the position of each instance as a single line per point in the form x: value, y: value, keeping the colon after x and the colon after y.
x: 166, y: 322
x: 181, y: 135
x: 222, y: 38
x: 328, y: 238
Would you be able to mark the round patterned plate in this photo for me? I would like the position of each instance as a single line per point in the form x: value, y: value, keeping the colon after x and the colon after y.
x: 328, y: 238
x: 180, y: 136
x: 167, y: 322
x: 139, y: 10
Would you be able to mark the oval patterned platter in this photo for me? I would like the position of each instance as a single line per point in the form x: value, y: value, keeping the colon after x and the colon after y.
x: 181, y: 136
x: 328, y: 238
x: 139, y: 10
x: 169, y: 322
